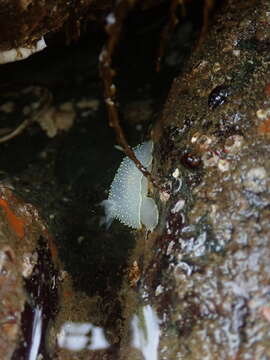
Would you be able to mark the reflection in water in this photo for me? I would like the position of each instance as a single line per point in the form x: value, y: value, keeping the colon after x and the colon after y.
x: 146, y: 332
x: 79, y: 336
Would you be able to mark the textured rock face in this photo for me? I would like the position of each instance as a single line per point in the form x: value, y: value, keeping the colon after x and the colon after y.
x: 23, y: 22
x: 207, y: 272
x: 201, y: 280
x: 28, y: 278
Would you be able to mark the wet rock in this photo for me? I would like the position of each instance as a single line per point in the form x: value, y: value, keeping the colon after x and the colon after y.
x: 24, y: 22
x: 28, y: 299
x: 206, y: 267
x: 12, y: 302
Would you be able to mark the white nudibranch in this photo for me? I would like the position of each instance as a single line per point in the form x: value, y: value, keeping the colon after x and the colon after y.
x: 128, y: 201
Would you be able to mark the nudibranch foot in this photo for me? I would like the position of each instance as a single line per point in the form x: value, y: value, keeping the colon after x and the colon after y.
x: 149, y: 213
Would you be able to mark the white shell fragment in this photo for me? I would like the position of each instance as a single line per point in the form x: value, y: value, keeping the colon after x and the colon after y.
x: 76, y: 336
x: 21, y: 53
x: 146, y: 333
x: 128, y: 201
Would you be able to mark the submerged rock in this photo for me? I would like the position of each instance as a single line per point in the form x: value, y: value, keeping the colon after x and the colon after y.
x: 206, y: 269
x: 28, y: 279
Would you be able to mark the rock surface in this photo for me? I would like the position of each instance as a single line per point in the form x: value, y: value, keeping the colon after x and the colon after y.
x: 206, y: 270
x: 25, y: 21
x: 198, y: 286
x: 28, y: 278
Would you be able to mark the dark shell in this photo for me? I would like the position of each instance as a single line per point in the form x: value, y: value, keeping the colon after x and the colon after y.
x: 218, y: 96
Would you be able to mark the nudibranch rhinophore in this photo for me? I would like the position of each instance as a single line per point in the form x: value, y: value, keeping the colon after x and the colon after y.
x: 128, y: 201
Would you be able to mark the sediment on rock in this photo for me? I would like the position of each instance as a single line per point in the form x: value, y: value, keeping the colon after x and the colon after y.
x: 23, y: 22
x: 206, y: 271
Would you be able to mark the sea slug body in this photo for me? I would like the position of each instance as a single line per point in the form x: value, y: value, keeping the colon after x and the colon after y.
x: 128, y: 201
